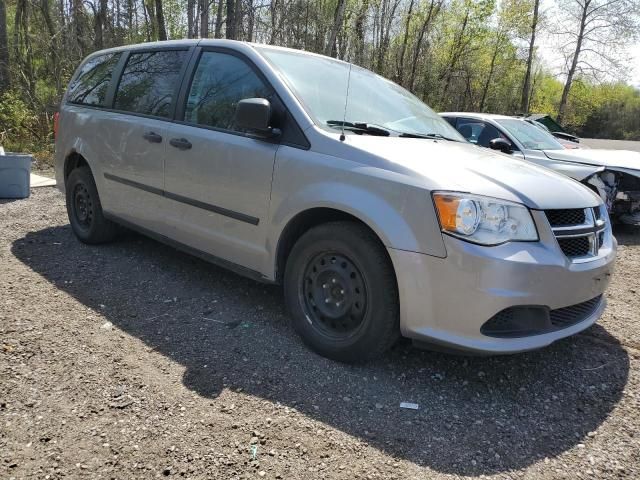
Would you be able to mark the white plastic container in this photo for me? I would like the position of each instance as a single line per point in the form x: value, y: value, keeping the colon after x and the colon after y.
x: 15, y: 172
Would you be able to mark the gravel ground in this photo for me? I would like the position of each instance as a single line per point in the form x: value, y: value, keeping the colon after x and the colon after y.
x: 132, y: 360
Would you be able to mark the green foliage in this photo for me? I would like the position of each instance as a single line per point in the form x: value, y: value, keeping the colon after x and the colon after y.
x: 24, y: 130
x: 454, y: 54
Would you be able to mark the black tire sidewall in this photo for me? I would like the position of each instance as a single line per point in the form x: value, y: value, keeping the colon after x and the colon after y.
x: 381, y: 316
x: 100, y: 230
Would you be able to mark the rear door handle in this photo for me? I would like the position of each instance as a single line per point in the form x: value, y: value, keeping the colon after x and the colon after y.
x: 180, y: 143
x: 152, y: 137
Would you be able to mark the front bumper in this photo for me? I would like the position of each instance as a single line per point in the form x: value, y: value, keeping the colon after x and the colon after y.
x: 447, y: 300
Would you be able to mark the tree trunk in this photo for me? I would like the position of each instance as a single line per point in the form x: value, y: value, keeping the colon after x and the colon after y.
x: 152, y: 25
x: 100, y: 23
x: 273, y: 9
x: 54, y: 45
x: 433, y: 10
x: 526, y: 86
x: 405, y: 40
x: 162, y: 29
x: 360, y: 33
x: 5, y: 81
x: 338, y: 19
x: 191, y: 6
x: 78, y: 18
x: 238, y: 20
x: 218, y: 31
x: 454, y: 56
x: 204, y: 18
x: 231, y: 19
x: 250, y: 22
x: 492, y: 67
x: 574, y: 65
x: 22, y: 47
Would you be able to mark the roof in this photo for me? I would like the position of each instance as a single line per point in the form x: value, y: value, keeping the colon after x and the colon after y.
x: 221, y: 42
x: 492, y: 116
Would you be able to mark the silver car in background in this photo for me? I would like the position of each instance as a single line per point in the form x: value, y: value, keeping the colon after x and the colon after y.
x: 378, y: 218
x: 613, y: 174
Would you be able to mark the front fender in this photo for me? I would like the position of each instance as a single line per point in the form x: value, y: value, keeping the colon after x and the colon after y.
x: 401, y: 213
x: 576, y: 171
x: 385, y: 220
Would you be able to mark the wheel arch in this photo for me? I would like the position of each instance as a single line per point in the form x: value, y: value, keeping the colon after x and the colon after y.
x: 72, y: 161
x: 307, y: 219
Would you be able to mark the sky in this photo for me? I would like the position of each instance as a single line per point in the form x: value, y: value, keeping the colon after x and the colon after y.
x: 552, y: 59
x: 635, y: 77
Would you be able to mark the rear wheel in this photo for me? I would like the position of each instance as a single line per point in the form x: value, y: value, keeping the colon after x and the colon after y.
x: 85, y: 210
x: 341, y: 292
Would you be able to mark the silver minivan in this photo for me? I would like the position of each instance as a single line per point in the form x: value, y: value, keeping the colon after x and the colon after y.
x: 376, y: 215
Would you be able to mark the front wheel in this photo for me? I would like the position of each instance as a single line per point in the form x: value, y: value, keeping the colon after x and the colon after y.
x: 341, y: 292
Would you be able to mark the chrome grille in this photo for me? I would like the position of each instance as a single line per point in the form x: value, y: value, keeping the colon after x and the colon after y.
x: 580, y: 232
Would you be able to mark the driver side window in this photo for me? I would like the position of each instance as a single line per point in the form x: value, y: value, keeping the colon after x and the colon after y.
x: 478, y: 132
x: 220, y: 81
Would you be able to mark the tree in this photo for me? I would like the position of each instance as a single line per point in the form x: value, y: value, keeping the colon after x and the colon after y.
x: 5, y: 81
x: 428, y: 18
x: 204, y: 18
x: 162, y: 29
x: 526, y: 84
x: 405, y: 40
x: 337, y: 25
x: 594, y: 31
x: 231, y: 19
x: 191, y: 5
x: 462, y: 54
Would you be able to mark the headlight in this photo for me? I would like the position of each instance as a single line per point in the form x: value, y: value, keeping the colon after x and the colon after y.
x: 484, y: 220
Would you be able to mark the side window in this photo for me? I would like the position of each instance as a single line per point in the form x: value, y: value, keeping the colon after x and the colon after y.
x: 150, y: 82
x: 92, y: 82
x: 219, y: 83
x: 451, y: 120
x: 478, y: 132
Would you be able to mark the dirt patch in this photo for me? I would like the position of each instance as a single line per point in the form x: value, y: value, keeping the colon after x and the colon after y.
x: 132, y: 360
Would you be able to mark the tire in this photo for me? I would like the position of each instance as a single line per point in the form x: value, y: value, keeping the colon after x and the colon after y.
x: 85, y: 210
x: 341, y: 292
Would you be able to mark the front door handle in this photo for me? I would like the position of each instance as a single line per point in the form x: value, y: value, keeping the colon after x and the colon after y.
x: 180, y: 143
x: 152, y: 137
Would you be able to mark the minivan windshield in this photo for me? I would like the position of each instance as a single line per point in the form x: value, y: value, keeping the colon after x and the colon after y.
x: 533, y: 138
x: 375, y: 105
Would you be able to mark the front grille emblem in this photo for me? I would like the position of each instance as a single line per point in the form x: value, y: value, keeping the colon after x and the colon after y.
x: 578, y: 241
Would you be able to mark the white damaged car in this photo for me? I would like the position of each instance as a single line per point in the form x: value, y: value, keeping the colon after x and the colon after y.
x: 613, y: 174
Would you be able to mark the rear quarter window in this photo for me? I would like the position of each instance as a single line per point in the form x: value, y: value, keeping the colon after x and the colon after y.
x: 90, y: 86
x: 149, y: 82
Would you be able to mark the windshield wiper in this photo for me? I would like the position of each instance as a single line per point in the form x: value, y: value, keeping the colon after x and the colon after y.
x: 361, y: 127
x: 435, y: 136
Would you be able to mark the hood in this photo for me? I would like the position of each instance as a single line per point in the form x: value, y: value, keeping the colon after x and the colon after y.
x: 605, y: 158
x: 456, y: 166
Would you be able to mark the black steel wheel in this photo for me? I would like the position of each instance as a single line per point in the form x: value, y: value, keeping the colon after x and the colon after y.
x: 85, y: 210
x: 82, y: 206
x: 335, y: 294
x: 341, y: 292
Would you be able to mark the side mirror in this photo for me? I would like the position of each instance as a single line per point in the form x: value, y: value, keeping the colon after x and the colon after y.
x: 500, y: 144
x: 254, y: 116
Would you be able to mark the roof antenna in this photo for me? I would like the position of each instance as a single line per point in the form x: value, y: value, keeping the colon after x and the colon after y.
x: 346, y: 101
